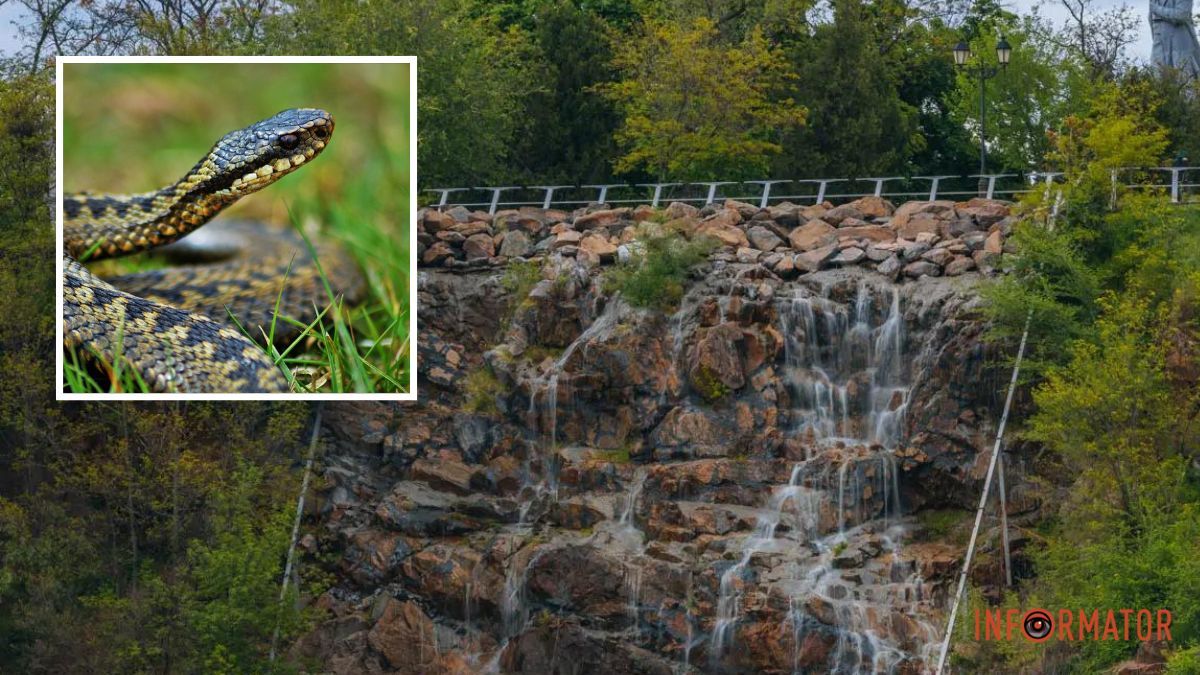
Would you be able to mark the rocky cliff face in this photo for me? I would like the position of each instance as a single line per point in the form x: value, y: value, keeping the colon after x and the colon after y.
x: 733, y: 487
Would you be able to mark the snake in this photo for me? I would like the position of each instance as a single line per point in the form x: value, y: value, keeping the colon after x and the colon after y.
x: 187, y: 328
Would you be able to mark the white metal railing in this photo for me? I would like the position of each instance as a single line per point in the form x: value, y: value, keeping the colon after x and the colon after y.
x: 804, y: 190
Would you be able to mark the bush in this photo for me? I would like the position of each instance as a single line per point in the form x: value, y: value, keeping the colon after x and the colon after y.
x: 654, y: 277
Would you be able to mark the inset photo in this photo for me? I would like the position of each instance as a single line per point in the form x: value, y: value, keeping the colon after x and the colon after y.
x: 236, y: 227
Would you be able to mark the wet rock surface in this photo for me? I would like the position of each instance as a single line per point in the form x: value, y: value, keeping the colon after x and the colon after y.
x: 732, y: 487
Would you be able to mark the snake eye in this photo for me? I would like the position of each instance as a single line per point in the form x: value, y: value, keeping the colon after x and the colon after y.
x: 321, y: 132
x: 288, y: 141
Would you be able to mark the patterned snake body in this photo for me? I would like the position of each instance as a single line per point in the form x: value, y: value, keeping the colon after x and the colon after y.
x: 171, y: 325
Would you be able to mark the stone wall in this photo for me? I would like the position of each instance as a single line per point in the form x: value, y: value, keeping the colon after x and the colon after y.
x: 917, y: 239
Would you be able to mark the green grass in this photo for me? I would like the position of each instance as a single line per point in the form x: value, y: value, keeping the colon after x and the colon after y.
x: 136, y: 127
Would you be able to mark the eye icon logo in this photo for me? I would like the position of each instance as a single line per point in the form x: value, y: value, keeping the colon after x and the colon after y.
x: 1037, y: 625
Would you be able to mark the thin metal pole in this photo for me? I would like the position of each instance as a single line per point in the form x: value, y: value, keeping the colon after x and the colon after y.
x: 287, y: 567
x: 987, y: 484
x: 1004, y: 523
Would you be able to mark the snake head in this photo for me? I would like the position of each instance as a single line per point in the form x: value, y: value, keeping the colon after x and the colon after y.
x: 253, y: 157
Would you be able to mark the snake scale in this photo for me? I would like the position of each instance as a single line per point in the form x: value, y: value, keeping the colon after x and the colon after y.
x: 173, y: 326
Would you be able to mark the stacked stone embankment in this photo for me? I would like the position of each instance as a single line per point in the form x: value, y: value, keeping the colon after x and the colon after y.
x: 920, y: 238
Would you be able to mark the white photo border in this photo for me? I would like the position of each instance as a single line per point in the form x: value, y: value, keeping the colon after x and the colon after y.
x: 60, y: 395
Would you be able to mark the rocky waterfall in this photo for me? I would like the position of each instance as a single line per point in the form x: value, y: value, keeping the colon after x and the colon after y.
x: 733, y: 486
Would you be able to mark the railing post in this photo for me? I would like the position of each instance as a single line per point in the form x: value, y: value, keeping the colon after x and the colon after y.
x: 657, y: 191
x: 496, y: 196
x: 879, y: 183
x: 935, y: 181
x: 604, y: 191
x: 712, y: 189
x: 991, y: 180
x: 766, y: 195
x: 444, y: 195
x: 822, y: 182
x: 549, y: 192
x: 1174, y: 182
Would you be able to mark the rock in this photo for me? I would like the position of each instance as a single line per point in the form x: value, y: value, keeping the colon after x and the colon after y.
x: 957, y: 227
x: 986, y: 261
x: 748, y: 255
x: 603, y: 218
x: 644, y: 212
x: 763, y: 239
x: 686, y: 225
x: 849, y: 256
x: 890, y: 267
x: 479, y: 246
x: 959, y: 265
x: 851, y: 223
x: 918, y: 224
x: 872, y: 232
x: 717, y: 365
x: 681, y: 210
x: 444, y: 474
x: 727, y: 235
x: 938, y: 256
x: 985, y: 212
x: 813, y: 234
x: 746, y: 211
x: 437, y: 253
x: 567, y: 238
x: 836, y: 215
x: 874, y: 207
x: 516, y: 244
x: 938, y: 210
x: 451, y: 237
x: 974, y: 240
x: 784, y: 267
x: 814, y: 260
x: 406, y: 638
x: 434, y: 221
x: 994, y: 243
x: 921, y: 268
x: 786, y: 215
x: 599, y: 246
x: 877, y: 254
x: 911, y: 250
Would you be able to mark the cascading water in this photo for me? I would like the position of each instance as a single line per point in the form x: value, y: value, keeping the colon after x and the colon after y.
x: 547, y: 387
x: 849, y: 390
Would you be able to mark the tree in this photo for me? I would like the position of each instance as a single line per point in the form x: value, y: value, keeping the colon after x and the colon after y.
x: 694, y: 109
x: 857, y: 124
x: 1098, y: 38
x: 1024, y: 101
x: 568, y: 125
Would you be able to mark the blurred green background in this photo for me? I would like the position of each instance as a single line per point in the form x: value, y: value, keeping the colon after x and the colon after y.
x: 135, y: 127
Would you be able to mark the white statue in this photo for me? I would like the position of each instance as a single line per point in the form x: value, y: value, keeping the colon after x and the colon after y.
x: 1174, y: 33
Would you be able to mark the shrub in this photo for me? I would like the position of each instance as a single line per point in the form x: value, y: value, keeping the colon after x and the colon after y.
x: 654, y: 277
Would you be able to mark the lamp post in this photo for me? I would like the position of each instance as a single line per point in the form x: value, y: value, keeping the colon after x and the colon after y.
x: 983, y: 72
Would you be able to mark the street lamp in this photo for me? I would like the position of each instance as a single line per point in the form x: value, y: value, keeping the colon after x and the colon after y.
x: 984, y: 72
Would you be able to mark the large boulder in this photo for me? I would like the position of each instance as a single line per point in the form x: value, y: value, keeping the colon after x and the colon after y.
x: 874, y: 207
x: 813, y: 234
x: 716, y: 368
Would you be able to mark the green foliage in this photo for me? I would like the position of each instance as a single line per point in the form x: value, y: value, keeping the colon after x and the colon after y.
x: 481, y: 390
x: 1024, y: 100
x: 519, y: 279
x: 654, y: 276
x: 857, y: 125
x: 236, y: 605
x: 1184, y: 662
x: 696, y: 109
x: 1048, y: 284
